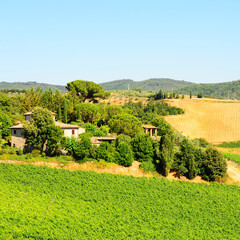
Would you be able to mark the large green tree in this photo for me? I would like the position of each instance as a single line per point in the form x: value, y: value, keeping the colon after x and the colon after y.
x: 87, y: 90
x: 126, y: 124
x: 41, y: 132
x: 142, y: 146
x: 5, y: 123
x: 166, y: 153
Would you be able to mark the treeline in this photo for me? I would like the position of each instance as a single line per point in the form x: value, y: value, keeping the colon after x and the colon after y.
x: 165, y: 95
x: 170, y: 152
x: 229, y: 90
x: 32, y: 84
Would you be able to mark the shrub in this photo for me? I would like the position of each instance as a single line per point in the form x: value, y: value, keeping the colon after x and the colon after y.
x: 148, y: 166
x: 124, y: 155
x: 122, y: 138
x: 19, y: 152
x: 142, y: 146
x: 104, y: 151
x: 35, y: 153
x: 214, y: 164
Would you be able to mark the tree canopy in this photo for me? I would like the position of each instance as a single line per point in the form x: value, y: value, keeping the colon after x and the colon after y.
x: 126, y: 124
x: 87, y: 90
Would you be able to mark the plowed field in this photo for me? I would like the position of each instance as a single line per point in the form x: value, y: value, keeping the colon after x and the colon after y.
x: 215, y: 120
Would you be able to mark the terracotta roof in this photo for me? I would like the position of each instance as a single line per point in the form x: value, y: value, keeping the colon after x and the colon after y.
x: 148, y: 126
x: 19, y: 126
x: 30, y: 113
x: 105, y: 138
x: 97, y: 140
x: 66, y: 126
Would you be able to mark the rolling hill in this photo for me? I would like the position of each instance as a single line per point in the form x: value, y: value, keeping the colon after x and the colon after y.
x: 153, y: 84
x: 27, y: 85
x: 219, y: 90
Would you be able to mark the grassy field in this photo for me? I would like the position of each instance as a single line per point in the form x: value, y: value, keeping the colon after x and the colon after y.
x: 232, y: 157
x: 216, y: 121
x: 45, y: 203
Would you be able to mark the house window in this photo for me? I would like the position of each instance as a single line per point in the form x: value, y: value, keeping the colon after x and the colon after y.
x: 73, y: 132
x: 14, y: 131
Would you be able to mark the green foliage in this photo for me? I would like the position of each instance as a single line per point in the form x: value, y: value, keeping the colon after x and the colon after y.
x: 89, y: 112
x: 199, y: 95
x: 82, y: 149
x: 29, y: 85
x: 59, y: 114
x: 190, y: 94
x: 87, y: 90
x: 105, y: 152
x: 164, y: 128
x: 5, y: 123
x: 153, y: 109
x: 218, y: 90
x: 69, y: 144
x: 123, y: 154
x: 148, y: 166
x: 125, y: 124
x: 232, y: 157
x: 65, y: 107
x: 41, y: 129
x: 58, y: 204
x: 200, y: 142
x: 229, y: 145
x: 185, y: 159
x: 214, y: 164
x: 94, y: 130
x: 142, y: 146
x: 166, y: 153
x: 123, y: 138
x: 152, y: 84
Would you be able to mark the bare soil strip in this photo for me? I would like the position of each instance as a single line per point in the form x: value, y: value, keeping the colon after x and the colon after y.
x: 134, y: 170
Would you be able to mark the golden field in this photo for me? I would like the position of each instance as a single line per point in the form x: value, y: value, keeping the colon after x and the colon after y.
x: 215, y: 120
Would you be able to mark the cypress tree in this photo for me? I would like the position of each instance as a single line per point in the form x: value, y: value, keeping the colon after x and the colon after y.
x: 78, y: 113
x: 190, y: 94
x: 59, y: 113
x: 65, y: 111
x: 166, y: 153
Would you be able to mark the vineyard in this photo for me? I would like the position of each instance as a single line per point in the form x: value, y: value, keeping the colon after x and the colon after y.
x: 44, y: 203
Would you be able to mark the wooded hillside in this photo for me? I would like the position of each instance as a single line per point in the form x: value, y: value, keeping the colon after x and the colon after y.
x: 153, y: 84
x: 219, y: 90
x: 28, y: 85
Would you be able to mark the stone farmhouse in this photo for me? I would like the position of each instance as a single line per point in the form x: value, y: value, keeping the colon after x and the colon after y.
x: 17, y: 131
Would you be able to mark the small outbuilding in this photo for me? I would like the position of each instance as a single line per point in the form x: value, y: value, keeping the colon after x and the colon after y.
x: 150, y: 129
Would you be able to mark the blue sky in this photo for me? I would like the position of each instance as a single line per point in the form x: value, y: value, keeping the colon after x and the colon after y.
x: 58, y: 41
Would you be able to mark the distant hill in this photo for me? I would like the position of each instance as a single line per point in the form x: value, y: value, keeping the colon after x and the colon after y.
x: 27, y: 85
x: 153, y: 84
x: 219, y: 90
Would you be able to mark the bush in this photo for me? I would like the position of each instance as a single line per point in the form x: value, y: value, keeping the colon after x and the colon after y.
x: 20, y: 152
x: 124, y: 155
x: 123, y: 138
x: 104, y: 151
x: 142, y: 146
x: 35, y: 153
x: 148, y: 166
x: 214, y: 164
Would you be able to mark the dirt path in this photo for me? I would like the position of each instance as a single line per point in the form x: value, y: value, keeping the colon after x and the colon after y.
x: 233, y: 171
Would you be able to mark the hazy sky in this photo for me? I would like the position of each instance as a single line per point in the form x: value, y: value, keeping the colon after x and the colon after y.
x: 56, y: 41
